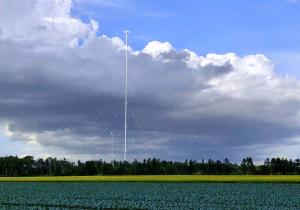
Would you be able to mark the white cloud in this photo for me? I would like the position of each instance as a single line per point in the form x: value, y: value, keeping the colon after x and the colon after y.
x: 156, y: 48
x: 68, y: 97
x: 47, y: 21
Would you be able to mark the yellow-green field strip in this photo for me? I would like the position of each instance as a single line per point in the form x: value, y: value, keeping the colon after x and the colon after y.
x: 162, y: 178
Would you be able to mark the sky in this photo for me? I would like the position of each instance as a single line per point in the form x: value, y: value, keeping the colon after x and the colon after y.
x: 246, y: 27
x: 207, y: 79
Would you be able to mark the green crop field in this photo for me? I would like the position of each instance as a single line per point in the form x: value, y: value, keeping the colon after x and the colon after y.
x: 162, y: 178
x: 141, y: 195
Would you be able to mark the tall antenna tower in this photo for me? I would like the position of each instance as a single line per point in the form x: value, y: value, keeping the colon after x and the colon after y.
x: 125, y: 113
x: 112, y: 146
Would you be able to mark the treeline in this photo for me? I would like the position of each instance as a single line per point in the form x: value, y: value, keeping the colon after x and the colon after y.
x: 28, y: 166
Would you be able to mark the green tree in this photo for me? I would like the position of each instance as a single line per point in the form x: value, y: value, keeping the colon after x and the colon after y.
x: 247, y: 166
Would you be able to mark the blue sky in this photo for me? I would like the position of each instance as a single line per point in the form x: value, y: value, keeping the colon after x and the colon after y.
x: 270, y: 27
x: 244, y: 27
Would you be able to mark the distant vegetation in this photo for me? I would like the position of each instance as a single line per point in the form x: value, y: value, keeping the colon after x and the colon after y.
x: 13, y: 166
x: 283, y: 179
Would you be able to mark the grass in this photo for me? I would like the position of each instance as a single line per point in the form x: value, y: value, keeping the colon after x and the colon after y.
x: 162, y: 178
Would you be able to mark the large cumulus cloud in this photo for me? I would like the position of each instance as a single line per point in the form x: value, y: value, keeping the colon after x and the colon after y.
x: 61, y: 86
x: 47, y: 22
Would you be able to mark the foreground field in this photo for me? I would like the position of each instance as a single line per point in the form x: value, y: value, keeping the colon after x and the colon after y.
x: 141, y: 195
x: 159, y: 178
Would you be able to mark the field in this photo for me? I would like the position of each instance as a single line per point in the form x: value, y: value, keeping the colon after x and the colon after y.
x: 151, y: 192
x: 159, y: 178
x: 138, y: 195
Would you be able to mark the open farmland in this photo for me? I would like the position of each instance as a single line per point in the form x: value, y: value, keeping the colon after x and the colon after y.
x: 162, y: 178
x: 96, y: 195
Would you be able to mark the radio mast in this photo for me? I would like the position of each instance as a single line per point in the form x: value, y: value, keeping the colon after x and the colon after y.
x: 125, y: 112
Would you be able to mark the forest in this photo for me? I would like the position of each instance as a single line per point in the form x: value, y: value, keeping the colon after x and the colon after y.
x: 14, y: 166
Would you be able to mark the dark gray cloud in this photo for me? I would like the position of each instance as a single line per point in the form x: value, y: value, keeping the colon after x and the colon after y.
x: 181, y: 105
